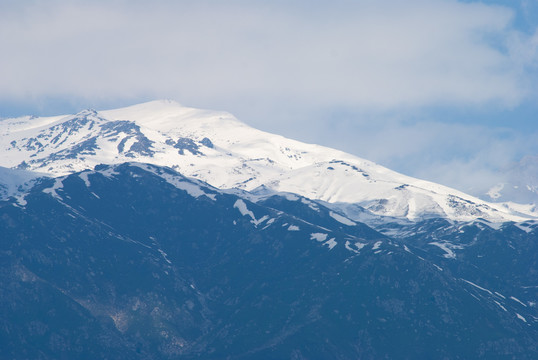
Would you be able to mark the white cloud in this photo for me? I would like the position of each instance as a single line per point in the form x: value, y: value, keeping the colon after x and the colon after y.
x: 468, y: 157
x: 368, y: 54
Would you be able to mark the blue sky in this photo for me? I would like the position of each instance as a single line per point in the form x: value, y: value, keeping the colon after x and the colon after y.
x: 441, y: 89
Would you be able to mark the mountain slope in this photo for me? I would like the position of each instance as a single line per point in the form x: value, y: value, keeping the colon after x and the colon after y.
x: 13, y: 182
x: 217, y: 148
x: 150, y: 264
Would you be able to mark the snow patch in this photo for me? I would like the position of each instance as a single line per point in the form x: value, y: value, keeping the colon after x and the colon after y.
x: 290, y: 197
x: 318, y: 236
x: 377, y: 245
x: 84, y: 177
x: 524, y: 227
x: 20, y: 199
x: 521, y: 317
x: 242, y: 207
x: 348, y: 247
x: 310, y: 204
x: 268, y: 223
x: 330, y: 243
x: 341, y: 219
x: 164, y: 255
x: 178, y: 182
x: 293, y: 228
x: 478, y: 287
x: 502, y: 307
x: 358, y: 246
x: 517, y: 300
x: 257, y: 222
x: 447, y: 248
x: 194, y: 190
x: 53, y: 191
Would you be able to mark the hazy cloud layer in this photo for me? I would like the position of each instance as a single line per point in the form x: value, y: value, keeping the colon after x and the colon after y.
x: 279, y: 65
x: 365, y: 53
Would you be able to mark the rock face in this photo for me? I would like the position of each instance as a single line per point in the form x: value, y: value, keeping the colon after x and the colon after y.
x: 137, y: 261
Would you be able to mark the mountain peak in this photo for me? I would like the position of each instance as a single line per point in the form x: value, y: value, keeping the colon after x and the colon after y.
x: 167, y: 115
x: 217, y: 148
x: 86, y: 112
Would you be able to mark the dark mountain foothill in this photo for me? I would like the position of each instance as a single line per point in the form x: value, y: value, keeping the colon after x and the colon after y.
x: 136, y: 261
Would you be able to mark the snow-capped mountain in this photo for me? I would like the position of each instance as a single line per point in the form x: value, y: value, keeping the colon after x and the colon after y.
x: 219, y: 149
x: 163, y: 232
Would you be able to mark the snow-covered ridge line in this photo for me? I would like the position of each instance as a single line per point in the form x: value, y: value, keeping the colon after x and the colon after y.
x: 218, y: 149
